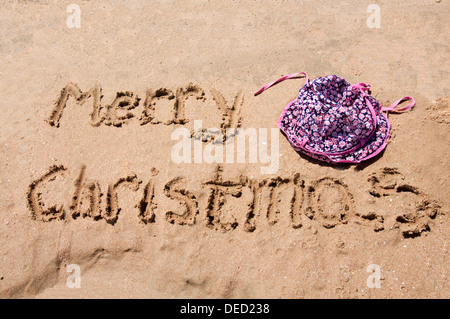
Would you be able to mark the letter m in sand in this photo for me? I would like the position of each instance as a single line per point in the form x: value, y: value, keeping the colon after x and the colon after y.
x: 73, y: 90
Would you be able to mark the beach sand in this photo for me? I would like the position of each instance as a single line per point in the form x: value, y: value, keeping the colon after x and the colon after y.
x: 108, y: 197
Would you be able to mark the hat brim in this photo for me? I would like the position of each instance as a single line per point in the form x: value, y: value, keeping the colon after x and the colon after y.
x: 375, y: 145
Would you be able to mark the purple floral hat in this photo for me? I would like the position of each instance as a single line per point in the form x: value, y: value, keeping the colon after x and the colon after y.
x: 334, y: 121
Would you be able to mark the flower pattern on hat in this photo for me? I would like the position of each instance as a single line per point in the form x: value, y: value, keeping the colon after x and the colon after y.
x: 334, y: 121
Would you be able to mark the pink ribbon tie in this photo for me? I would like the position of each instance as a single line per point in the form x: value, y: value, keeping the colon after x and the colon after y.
x: 289, y: 76
x: 392, y: 107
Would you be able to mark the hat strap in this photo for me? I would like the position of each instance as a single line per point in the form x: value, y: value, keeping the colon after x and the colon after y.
x: 362, y: 86
x: 392, y: 107
x: 289, y: 76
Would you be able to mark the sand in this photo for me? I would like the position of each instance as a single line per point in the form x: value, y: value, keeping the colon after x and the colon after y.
x: 93, y: 186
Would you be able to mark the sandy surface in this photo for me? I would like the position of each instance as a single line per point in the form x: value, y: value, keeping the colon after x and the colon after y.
x: 108, y: 196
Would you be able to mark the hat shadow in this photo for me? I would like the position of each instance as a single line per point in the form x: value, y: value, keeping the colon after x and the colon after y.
x: 344, y: 166
x: 361, y: 166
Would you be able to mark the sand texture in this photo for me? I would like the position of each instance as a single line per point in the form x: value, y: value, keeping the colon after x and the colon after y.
x: 87, y: 176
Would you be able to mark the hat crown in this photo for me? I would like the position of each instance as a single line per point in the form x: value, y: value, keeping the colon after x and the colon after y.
x: 333, y: 116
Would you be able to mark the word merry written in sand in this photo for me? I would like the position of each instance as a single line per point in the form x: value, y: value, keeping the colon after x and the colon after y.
x: 124, y: 107
x: 326, y: 201
x: 220, y: 148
